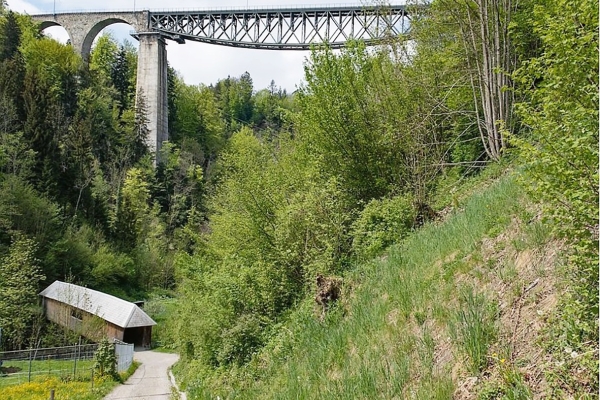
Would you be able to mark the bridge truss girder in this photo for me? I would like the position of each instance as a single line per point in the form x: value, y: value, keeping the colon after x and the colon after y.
x: 292, y: 29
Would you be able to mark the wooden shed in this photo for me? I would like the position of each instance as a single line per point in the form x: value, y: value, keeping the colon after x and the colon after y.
x: 95, y: 314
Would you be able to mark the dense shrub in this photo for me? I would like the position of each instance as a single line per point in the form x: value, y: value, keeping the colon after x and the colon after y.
x: 381, y: 223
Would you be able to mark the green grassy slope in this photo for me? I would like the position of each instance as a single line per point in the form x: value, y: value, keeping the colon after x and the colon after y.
x: 456, y: 310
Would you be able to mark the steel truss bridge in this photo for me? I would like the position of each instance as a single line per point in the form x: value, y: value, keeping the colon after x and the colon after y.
x: 284, y: 29
x: 273, y: 29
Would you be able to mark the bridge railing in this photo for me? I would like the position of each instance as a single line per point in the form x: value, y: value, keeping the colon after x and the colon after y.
x: 217, y: 9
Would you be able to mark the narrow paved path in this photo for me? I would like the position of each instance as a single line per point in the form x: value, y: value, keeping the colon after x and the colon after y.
x: 150, y: 381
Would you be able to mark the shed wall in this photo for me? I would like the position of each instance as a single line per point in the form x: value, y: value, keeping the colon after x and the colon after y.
x: 87, y: 325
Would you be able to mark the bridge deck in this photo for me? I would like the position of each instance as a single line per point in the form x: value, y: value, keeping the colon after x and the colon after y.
x: 293, y: 28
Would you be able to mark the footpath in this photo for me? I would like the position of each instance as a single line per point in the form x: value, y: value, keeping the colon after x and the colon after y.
x: 151, y: 381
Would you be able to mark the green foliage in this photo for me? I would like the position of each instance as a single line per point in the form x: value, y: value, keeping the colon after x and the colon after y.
x: 235, y: 101
x: 272, y: 108
x: 199, y: 118
x: 274, y: 226
x: 72, y: 255
x: 473, y: 329
x: 241, y: 340
x: 26, y: 212
x: 10, y: 37
x: 134, y: 206
x: 105, y: 360
x: 371, y: 346
x: 380, y: 224
x: 103, y: 57
x: 16, y: 158
x: 561, y: 153
x: 111, y: 268
x: 53, y: 64
x: 381, y: 125
x: 123, y: 75
x: 20, y: 277
x: 182, y: 179
x: 341, y: 126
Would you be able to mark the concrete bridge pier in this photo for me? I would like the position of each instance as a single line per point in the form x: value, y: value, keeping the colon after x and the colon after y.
x: 152, y: 87
x: 152, y: 60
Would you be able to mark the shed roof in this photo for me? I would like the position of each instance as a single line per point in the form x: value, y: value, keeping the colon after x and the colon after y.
x: 110, y: 308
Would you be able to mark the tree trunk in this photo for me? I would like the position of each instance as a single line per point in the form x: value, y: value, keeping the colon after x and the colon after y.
x: 484, y: 29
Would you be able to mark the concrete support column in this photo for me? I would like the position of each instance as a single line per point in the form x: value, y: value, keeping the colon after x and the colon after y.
x: 152, y: 85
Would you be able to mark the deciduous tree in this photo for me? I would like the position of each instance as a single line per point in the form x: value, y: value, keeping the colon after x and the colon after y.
x: 20, y: 277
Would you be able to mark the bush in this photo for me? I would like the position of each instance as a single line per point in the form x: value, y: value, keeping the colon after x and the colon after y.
x: 241, y: 340
x: 381, y: 223
x: 105, y: 360
x: 561, y: 155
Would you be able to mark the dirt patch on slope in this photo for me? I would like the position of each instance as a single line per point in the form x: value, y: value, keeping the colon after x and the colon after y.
x: 519, y: 277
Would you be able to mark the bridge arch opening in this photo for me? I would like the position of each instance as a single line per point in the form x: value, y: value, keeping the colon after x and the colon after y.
x: 55, y: 31
x: 118, y: 28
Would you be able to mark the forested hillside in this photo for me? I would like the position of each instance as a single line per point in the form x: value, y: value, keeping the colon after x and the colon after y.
x: 468, y: 147
x: 81, y: 200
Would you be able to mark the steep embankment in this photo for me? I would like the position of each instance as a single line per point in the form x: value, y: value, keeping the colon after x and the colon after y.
x: 459, y: 309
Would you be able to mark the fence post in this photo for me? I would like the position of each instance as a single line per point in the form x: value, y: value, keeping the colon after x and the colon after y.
x: 92, y: 378
x: 75, y: 360
x: 77, y: 348
x: 51, y: 394
x: 29, y: 374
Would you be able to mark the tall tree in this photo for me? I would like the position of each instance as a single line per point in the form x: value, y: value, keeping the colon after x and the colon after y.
x: 103, y: 58
x: 198, y: 126
x: 483, y: 30
x: 235, y: 101
x: 10, y: 37
x: 20, y: 277
x: 12, y: 68
x: 37, y: 127
x: 343, y: 126
x: 121, y: 74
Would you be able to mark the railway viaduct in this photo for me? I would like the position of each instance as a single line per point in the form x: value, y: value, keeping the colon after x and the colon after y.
x: 274, y: 29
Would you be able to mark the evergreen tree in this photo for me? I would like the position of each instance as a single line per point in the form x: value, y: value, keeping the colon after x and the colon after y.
x: 37, y: 128
x: 139, y: 139
x: 172, y: 101
x: 120, y: 77
x: 12, y: 68
x: 10, y: 37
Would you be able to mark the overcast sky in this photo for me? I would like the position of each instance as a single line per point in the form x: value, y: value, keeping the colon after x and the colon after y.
x: 199, y: 62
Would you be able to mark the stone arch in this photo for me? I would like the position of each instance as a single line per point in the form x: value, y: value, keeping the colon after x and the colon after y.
x: 49, y: 24
x: 83, y: 28
x: 86, y: 46
x: 131, y: 20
